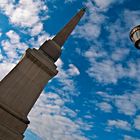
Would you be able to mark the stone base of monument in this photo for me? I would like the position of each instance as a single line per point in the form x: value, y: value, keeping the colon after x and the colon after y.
x: 11, y: 126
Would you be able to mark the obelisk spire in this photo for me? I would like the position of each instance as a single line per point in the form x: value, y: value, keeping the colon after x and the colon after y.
x: 53, y: 47
x: 62, y: 36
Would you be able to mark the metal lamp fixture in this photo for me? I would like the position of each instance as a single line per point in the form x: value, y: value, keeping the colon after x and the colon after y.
x: 135, y: 36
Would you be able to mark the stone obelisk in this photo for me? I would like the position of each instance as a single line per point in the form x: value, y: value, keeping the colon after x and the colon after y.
x: 20, y: 89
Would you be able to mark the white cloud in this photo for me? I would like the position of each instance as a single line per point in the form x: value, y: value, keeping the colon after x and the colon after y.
x: 107, y: 67
x: 91, y: 28
x: 135, y: 18
x: 119, y: 124
x: 130, y: 103
x: 49, y: 114
x: 126, y: 137
x: 1, y: 56
x: 104, y: 106
x: 12, y: 47
x: 69, y: 1
x: 127, y: 104
x: 0, y: 34
x: 104, y: 3
x: 59, y: 63
x: 73, y: 70
x: 119, y: 30
x: 65, y: 79
x: 104, y: 71
x: 13, y: 36
x: 36, y: 29
x: 137, y: 122
x: 26, y: 14
x: 93, y: 53
x: 88, y: 31
x: 41, y: 38
x: 120, y: 54
x: 94, y: 19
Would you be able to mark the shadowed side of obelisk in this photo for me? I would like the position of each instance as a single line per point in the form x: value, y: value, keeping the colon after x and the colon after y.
x: 20, y: 89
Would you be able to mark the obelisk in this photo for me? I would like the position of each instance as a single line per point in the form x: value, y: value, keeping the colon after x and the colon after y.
x: 20, y: 89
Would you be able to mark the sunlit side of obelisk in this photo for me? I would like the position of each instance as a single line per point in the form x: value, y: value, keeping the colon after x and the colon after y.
x: 20, y: 89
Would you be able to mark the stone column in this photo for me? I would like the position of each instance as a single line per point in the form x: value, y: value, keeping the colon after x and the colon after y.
x: 19, y: 91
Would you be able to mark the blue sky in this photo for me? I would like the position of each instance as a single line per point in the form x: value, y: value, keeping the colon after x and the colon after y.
x: 96, y: 94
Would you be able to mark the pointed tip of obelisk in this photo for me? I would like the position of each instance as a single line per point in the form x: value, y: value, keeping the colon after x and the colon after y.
x: 64, y: 33
x: 84, y: 9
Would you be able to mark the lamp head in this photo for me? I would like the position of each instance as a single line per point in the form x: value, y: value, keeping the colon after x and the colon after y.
x: 135, y: 36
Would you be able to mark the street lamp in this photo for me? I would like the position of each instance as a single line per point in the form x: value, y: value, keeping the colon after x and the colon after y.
x: 135, y: 36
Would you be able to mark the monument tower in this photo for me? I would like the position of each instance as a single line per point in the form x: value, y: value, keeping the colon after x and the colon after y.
x: 20, y: 89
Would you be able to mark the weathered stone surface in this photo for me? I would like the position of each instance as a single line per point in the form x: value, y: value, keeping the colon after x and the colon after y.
x: 19, y: 91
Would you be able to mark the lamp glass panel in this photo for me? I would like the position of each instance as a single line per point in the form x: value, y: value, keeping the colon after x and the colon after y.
x: 138, y: 33
x: 136, y: 36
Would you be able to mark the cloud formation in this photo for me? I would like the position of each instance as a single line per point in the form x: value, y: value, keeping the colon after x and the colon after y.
x: 130, y: 102
x: 104, y: 106
x: 119, y: 124
x: 50, y: 114
x: 137, y: 122
x: 25, y: 14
